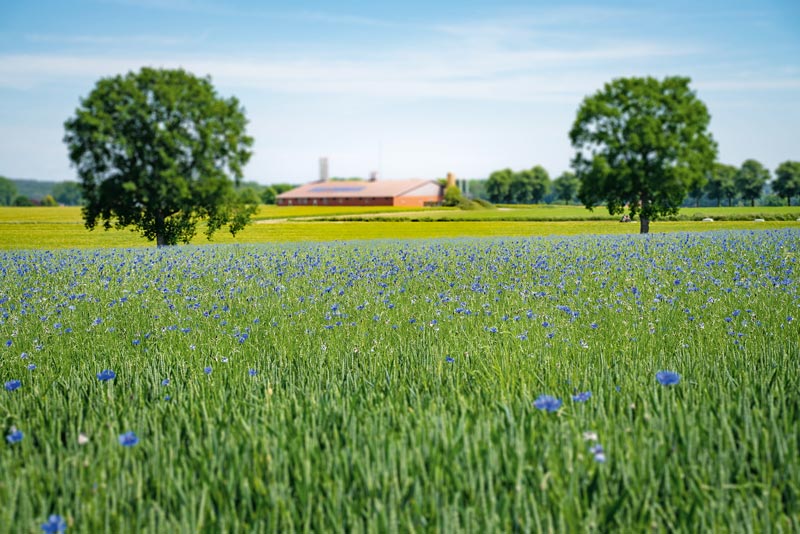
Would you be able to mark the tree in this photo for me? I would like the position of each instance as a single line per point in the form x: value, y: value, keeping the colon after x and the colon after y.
x: 750, y: 180
x: 720, y: 183
x: 49, y: 201
x: 642, y: 144
x: 23, y: 202
x: 498, y: 187
x: 566, y: 186
x: 528, y: 187
x: 67, y: 193
x: 268, y: 195
x: 160, y: 151
x: 452, y: 196
x: 8, y: 191
x: 787, y: 180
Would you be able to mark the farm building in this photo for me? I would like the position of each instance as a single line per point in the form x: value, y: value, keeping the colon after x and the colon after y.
x: 411, y: 193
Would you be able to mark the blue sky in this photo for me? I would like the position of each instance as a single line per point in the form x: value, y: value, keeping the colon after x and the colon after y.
x: 412, y: 88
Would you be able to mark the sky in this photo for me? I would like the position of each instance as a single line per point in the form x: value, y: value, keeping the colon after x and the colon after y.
x: 411, y: 89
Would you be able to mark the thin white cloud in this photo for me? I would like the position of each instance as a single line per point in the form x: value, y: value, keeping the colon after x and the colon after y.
x: 111, y: 40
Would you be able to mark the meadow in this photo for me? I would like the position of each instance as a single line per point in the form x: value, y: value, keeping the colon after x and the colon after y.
x: 565, y: 384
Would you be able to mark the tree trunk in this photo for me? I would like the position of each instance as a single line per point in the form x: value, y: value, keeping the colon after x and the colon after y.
x: 644, y: 225
x: 161, y: 240
x: 719, y: 201
x: 752, y: 203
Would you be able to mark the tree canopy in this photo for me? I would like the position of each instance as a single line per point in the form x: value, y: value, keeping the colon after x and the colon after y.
x: 67, y: 193
x: 750, y: 180
x: 160, y: 151
x: 641, y: 144
x: 8, y: 191
x: 787, y: 180
x: 566, y: 186
x: 721, y: 184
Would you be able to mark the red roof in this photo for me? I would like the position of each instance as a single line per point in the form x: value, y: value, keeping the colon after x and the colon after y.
x: 358, y: 189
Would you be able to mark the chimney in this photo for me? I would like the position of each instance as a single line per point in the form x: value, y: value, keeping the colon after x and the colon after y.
x: 451, y: 179
x: 373, y: 176
x: 323, y: 169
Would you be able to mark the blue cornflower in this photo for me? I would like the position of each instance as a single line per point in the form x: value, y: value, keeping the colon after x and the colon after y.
x: 165, y: 382
x: 599, y: 453
x: 668, y: 378
x: 449, y: 359
x: 15, y: 436
x: 31, y: 366
x: 106, y: 375
x: 207, y: 370
x: 167, y: 397
x: 128, y: 439
x: 547, y: 403
x: 55, y: 525
x: 11, y: 385
x: 252, y: 372
x: 582, y: 397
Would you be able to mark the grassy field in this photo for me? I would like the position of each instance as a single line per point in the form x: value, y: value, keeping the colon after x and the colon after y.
x: 398, y: 386
x: 52, y: 228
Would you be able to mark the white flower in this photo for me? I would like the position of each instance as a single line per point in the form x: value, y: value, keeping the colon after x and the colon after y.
x: 590, y: 436
x: 83, y: 439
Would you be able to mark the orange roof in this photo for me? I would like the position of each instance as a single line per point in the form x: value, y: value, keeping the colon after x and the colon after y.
x: 356, y: 189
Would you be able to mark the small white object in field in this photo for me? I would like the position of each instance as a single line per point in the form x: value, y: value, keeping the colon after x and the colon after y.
x: 708, y: 219
x: 758, y: 220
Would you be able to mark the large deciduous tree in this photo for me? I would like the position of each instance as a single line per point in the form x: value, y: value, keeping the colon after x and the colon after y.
x: 641, y: 143
x: 750, y: 180
x: 787, y: 180
x: 160, y: 151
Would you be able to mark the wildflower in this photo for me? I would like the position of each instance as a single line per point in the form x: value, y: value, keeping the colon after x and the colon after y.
x: 252, y: 372
x: 106, y: 375
x: 31, y: 366
x: 83, y: 439
x: 207, y: 370
x: 582, y: 397
x: 590, y: 436
x: 547, y: 403
x: 449, y: 359
x: 128, y: 439
x: 165, y: 382
x: 11, y: 385
x: 668, y: 378
x: 15, y: 436
x: 55, y: 525
x: 599, y: 453
x: 167, y: 397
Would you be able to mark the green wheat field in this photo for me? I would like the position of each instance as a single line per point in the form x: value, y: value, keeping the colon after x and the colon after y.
x: 328, y: 381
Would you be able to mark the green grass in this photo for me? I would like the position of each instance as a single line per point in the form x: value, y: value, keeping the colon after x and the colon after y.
x: 52, y: 228
x: 356, y: 421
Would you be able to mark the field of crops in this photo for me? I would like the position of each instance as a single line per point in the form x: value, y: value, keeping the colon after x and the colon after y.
x: 57, y: 228
x: 594, y: 383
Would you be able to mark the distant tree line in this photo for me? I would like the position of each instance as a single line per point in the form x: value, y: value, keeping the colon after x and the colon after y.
x: 37, y: 193
x: 726, y: 185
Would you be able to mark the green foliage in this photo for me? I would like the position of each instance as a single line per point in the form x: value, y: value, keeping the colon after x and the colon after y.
x: 452, y: 196
x: 566, y: 186
x: 498, y: 187
x: 358, y: 419
x: 158, y: 150
x: 67, y: 193
x: 529, y: 186
x: 23, y: 201
x: 269, y: 195
x: 8, y: 191
x: 787, y: 180
x: 49, y: 201
x: 641, y: 144
x: 750, y: 180
x: 720, y: 183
